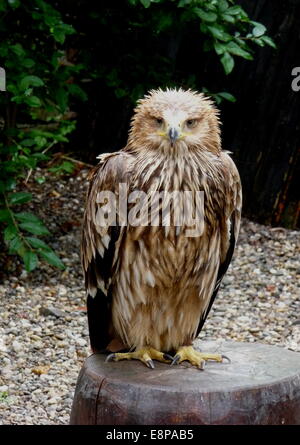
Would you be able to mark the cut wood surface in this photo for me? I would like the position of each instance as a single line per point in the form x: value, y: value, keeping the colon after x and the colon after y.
x: 261, y: 385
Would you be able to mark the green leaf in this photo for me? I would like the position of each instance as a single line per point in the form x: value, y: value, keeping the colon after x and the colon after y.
x: 269, y: 41
x: 10, y: 183
x: 220, y: 48
x: 15, y: 244
x: 28, y: 161
x: 10, y: 232
x: 5, y: 215
x: 227, y: 96
x: 30, y: 81
x: 40, y: 141
x: 27, y: 217
x: 65, y: 167
x: 235, y: 49
x: 40, y: 179
x: 58, y: 35
x: 20, y: 197
x: 18, y: 49
x: 61, y: 97
x: 77, y: 91
x: 28, y: 91
x: 33, y: 101
x: 146, y: 3
x: 219, y: 33
x: 35, y: 228
x: 228, y: 62
x: 27, y: 142
x: 234, y: 10
x: 60, y: 31
x: 30, y: 260
x: 259, y: 29
x: 40, y: 157
x: 28, y: 63
x: 222, y: 5
x: 52, y: 259
x: 37, y: 243
x: 228, y: 18
x: 259, y: 42
x: 206, y: 16
x: 19, y: 99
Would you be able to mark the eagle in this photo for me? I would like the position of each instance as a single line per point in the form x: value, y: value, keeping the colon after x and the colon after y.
x: 151, y: 281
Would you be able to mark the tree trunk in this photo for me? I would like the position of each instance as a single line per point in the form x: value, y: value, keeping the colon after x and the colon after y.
x: 251, y: 390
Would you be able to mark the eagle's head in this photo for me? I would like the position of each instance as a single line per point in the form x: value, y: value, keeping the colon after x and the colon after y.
x: 175, y: 120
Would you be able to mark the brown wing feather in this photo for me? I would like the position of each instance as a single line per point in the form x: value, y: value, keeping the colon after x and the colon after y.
x: 228, y: 237
x: 99, y: 247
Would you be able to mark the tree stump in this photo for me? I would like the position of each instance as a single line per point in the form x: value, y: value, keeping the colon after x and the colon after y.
x: 261, y: 386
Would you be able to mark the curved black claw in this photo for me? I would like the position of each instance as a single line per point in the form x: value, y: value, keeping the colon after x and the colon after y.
x: 150, y: 364
x: 202, y: 365
x: 110, y: 358
x: 227, y: 358
x: 168, y: 357
x: 175, y: 360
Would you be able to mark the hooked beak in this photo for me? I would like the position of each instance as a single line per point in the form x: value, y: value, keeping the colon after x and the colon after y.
x: 173, y: 135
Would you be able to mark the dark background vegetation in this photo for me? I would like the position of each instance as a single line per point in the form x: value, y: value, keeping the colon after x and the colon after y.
x: 76, y: 68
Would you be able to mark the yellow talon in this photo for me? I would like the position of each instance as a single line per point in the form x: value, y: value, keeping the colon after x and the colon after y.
x: 145, y: 355
x: 196, y: 358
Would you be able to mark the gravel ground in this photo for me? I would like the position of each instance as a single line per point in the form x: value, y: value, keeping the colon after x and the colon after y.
x: 43, y: 327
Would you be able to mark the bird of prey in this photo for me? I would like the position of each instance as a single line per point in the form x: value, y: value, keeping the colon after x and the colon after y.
x: 150, y: 287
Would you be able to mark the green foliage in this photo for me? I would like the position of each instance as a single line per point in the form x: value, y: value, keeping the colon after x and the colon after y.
x: 218, y: 97
x: 125, y: 47
x: 152, y: 32
x: 228, y: 29
x: 64, y: 167
x: 19, y: 225
x: 39, y: 88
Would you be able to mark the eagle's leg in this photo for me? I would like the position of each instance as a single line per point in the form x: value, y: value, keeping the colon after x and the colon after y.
x: 196, y: 358
x: 145, y: 355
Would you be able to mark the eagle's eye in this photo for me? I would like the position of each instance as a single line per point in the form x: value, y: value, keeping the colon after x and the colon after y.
x: 159, y: 121
x: 191, y: 123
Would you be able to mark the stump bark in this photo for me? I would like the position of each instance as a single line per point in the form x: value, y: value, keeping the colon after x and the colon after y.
x: 261, y: 386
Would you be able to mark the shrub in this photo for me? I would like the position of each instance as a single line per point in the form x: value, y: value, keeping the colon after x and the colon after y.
x: 41, y: 80
x: 34, y: 112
